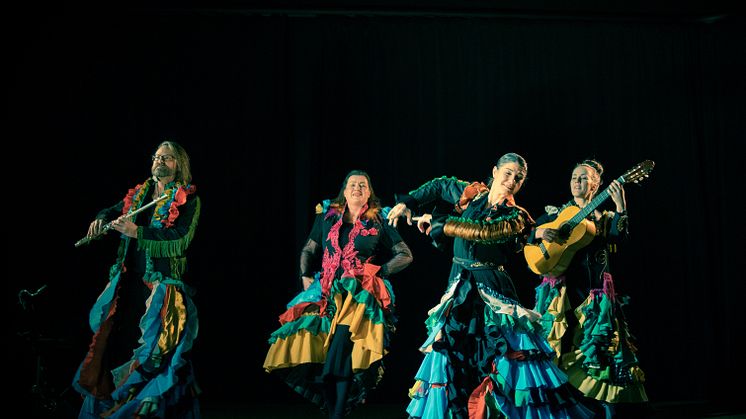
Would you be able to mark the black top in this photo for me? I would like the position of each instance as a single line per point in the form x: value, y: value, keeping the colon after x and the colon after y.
x: 172, y: 265
x: 375, y: 242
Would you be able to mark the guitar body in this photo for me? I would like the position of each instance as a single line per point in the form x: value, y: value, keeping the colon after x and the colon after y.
x: 552, y: 259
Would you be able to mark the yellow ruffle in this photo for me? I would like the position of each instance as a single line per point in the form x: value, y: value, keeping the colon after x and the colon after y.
x: 300, y: 348
x: 572, y: 362
x: 367, y: 337
x: 415, y: 388
x: 557, y: 309
x: 173, y: 319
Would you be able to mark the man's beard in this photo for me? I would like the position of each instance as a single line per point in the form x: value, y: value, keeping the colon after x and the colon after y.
x: 162, y: 171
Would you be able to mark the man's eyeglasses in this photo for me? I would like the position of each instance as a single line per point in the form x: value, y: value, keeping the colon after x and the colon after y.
x: 164, y: 158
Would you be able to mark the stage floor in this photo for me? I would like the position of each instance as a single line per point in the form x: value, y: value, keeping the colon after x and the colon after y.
x: 662, y: 410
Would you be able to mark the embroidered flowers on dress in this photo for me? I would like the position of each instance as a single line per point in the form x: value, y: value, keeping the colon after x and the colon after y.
x: 371, y: 231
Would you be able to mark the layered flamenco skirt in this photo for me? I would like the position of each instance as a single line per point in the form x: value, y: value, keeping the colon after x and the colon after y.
x: 158, y: 381
x: 486, y: 357
x: 300, y: 348
x: 603, y: 363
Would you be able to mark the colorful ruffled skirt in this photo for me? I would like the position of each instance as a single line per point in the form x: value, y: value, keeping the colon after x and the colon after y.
x: 601, y: 359
x: 300, y: 350
x: 158, y: 380
x: 486, y: 357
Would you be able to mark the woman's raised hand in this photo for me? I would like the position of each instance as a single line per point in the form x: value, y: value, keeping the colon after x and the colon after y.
x: 397, y: 211
x: 424, y: 223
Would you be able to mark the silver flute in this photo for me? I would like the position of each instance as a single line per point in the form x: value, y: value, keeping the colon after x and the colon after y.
x: 108, y: 226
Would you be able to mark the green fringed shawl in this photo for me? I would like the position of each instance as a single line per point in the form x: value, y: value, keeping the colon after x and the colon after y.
x: 169, y: 248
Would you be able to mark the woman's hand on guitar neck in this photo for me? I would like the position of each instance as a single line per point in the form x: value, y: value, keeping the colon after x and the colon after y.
x: 616, y: 191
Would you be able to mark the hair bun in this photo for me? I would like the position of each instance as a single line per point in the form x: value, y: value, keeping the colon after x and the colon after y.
x: 595, y: 165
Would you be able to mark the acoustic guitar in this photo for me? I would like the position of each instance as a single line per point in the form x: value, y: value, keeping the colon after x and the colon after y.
x: 546, y: 258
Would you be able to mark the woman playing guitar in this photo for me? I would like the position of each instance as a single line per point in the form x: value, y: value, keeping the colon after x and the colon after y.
x: 581, y: 313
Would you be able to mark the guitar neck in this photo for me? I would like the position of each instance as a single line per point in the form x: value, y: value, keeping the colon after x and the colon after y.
x: 595, y: 202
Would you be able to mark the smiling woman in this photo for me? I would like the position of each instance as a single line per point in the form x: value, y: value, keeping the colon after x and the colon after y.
x: 484, y: 352
x: 335, y: 333
x: 583, y: 315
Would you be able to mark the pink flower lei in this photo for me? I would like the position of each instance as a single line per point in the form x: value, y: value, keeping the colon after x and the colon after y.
x: 166, y: 211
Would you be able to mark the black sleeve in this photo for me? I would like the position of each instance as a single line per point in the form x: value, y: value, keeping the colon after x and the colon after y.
x: 448, y: 189
x: 174, y: 240
x: 310, y: 255
x: 109, y: 214
x: 401, y: 256
x: 317, y: 229
x: 616, y: 226
x: 183, y: 225
x: 437, y: 223
x: 543, y: 219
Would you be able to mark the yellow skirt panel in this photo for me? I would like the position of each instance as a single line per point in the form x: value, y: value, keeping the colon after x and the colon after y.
x: 557, y: 308
x: 300, y: 348
x: 367, y: 336
x: 599, y: 390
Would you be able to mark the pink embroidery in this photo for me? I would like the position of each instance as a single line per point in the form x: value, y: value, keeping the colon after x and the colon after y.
x: 609, y: 286
x: 371, y: 231
x: 553, y: 281
x: 349, y: 254
x: 347, y: 257
x: 329, y: 262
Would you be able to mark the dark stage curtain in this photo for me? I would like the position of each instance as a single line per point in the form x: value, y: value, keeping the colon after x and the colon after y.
x: 275, y: 109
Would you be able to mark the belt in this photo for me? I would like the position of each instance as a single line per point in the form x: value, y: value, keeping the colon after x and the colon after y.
x: 476, y: 265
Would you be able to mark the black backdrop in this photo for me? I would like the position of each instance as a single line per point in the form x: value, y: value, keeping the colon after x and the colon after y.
x: 275, y: 108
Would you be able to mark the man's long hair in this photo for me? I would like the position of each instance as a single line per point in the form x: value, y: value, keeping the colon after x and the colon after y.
x: 183, y: 168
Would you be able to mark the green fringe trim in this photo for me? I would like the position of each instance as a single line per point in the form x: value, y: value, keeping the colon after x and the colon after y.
x: 169, y: 248
x: 178, y: 266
